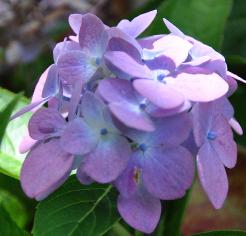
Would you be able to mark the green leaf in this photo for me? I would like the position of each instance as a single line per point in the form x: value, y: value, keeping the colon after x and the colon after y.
x: 171, y: 220
x: 5, y: 115
x: 235, y: 40
x: 14, y: 207
x: 7, y: 226
x: 77, y: 209
x: 202, y: 19
x: 222, y: 233
x: 10, y: 158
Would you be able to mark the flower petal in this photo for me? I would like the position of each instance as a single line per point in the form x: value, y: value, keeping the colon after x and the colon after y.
x: 26, y: 144
x: 159, y: 93
x: 107, y: 161
x: 199, y: 87
x: 168, y: 173
x: 45, y: 123
x: 96, y: 113
x: 236, y: 126
x: 135, y: 27
x: 82, y: 176
x: 41, y: 174
x: 173, y: 29
x: 212, y: 175
x: 224, y: 145
x: 170, y: 46
x: 75, y: 21
x: 75, y: 65
x: 78, y: 137
x: 92, y: 36
x: 141, y: 211
x: 117, y: 62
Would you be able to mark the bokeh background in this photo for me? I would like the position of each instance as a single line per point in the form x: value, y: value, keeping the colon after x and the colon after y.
x: 29, y: 30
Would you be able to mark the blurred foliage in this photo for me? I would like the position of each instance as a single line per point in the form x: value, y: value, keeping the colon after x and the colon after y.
x: 10, y: 158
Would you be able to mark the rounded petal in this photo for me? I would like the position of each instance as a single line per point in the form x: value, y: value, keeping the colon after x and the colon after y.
x: 26, y: 144
x: 82, y: 176
x: 135, y: 27
x: 78, y: 137
x: 63, y: 47
x: 212, y: 175
x: 236, y: 126
x: 75, y: 65
x: 159, y: 93
x: 96, y: 113
x: 142, y: 211
x: 199, y: 87
x: 170, y: 46
x: 46, y: 167
x: 75, y: 21
x: 168, y: 173
x: 132, y: 116
x: 107, y: 161
x: 92, y: 36
x: 224, y: 145
x: 120, y: 62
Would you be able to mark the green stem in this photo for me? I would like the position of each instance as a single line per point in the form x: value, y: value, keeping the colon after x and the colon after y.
x: 172, y: 218
x: 119, y: 230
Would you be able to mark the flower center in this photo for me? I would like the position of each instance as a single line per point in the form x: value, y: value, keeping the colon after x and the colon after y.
x: 142, y: 147
x: 211, y: 135
x: 136, y: 175
x: 98, y: 61
x: 161, y: 77
x: 142, y: 106
x: 103, y: 131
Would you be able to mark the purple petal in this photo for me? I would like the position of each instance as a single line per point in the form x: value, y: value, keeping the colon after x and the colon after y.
x: 92, y: 36
x: 132, y: 116
x: 26, y: 144
x: 159, y: 93
x: 135, y: 27
x: 124, y: 104
x: 165, y: 132
x: 118, y: 61
x: 51, y: 87
x: 199, y: 87
x: 122, y: 42
x: 173, y: 29
x: 31, y: 107
x: 170, y: 46
x: 78, y: 137
x: 236, y: 77
x: 155, y: 111
x: 41, y: 174
x: 106, y: 162
x: 75, y: 21
x: 75, y: 65
x: 64, y: 47
x: 232, y: 84
x: 236, y: 126
x: 141, y: 211
x: 82, y: 176
x: 44, y: 123
x: 223, y: 144
x: 212, y: 175
x: 161, y: 62
x: 168, y: 173
x: 148, y: 42
x: 96, y: 113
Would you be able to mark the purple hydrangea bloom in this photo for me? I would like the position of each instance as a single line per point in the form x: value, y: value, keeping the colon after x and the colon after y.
x: 134, y: 112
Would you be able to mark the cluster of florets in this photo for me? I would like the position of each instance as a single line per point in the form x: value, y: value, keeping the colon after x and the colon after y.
x: 136, y: 113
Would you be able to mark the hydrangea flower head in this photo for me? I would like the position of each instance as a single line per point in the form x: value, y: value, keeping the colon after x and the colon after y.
x: 138, y: 113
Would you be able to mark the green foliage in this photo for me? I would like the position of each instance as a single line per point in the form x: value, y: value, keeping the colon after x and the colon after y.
x: 202, y: 19
x: 10, y: 158
x: 7, y: 226
x: 222, y: 233
x: 5, y: 115
x: 77, y: 209
x: 235, y: 40
x: 14, y: 207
